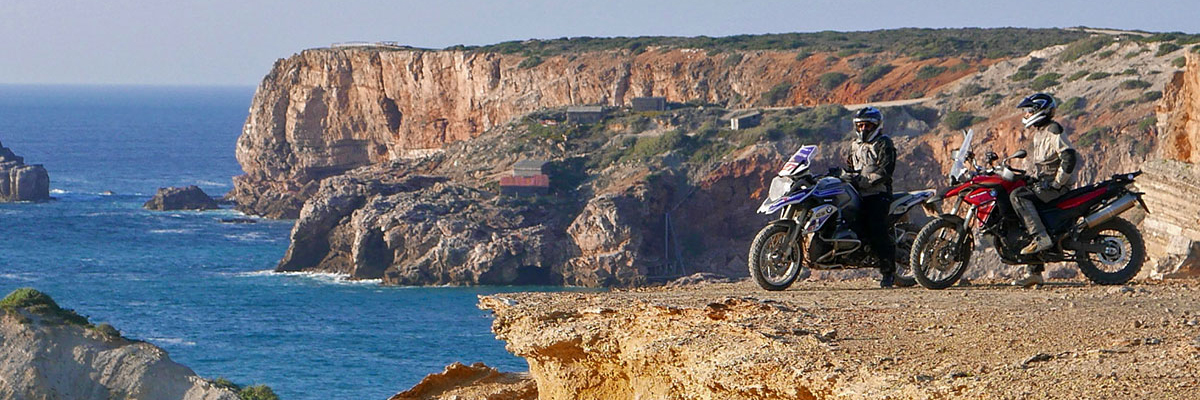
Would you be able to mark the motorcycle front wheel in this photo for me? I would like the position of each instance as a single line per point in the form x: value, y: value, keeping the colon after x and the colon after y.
x: 769, y: 266
x: 934, y: 261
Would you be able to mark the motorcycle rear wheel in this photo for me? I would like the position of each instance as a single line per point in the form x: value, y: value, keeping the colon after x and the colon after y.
x: 767, y: 264
x: 905, y: 235
x: 1124, y: 254
x: 932, y: 258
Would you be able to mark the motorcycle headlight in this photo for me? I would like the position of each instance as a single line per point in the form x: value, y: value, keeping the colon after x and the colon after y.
x: 780, y: 186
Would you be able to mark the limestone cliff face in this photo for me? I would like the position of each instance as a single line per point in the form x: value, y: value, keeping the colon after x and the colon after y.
x: 43, y: 357
x: 21, y: 182
x: 323, y: 112
x: 1173, y: 183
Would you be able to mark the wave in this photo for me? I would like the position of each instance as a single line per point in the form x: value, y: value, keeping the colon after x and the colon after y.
x: 213, y: 183
x: 250, y: 237
x: 58, y: 191
x: 320, y: 277
x: 164, y: 231
x: 16, y: 277
x: 174, y: 341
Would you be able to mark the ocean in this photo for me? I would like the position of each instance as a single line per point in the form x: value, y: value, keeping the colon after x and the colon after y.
x: 197, y: 287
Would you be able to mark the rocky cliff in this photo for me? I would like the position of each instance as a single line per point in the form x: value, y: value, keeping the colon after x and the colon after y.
x: 839, y: 341
x: 1173, y: 183
x: 21, y: 182
x: 50, y: 353
x: 325, y: 111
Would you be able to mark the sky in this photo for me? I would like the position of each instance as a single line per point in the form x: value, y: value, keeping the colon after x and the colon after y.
x: 235, y: 42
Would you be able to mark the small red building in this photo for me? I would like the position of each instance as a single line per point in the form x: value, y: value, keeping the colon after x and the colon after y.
x: 528, y: 179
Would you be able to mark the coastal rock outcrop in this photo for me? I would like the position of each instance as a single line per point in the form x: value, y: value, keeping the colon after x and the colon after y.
x: 181, y: 198
x: 47, y: 352
x: 477, y: 381
x: 1172, y: 184
x: 323, y: 112
x: 21, y: 182
x: 842, y: 341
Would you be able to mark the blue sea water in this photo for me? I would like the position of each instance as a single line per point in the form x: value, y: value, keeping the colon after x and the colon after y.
x: 199, y: 288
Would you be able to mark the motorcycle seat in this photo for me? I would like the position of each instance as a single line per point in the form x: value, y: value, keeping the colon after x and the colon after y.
x: 1070, y: 195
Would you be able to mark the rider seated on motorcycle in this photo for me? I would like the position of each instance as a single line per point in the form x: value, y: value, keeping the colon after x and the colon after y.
x: 873, y: 156
x: 1053, y: 163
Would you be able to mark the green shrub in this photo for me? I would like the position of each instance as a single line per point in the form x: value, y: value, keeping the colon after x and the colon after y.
x: 1027, y: 71
x: 258, y: 392
x: 1095, y: 76
x: 971, y: 89
x: 777, y: 94
x: 1045, y: 81
x: 1089, y: 138
x: 1118, y: 105
x: 847, y: 53
x: 956, y: 120
x: 992, y: 99
x: 1134, y: 84
x: 39, y: 303
x: 1196, y: 48
x: 801, y: 56
x: 223, y: 383
x: 1084, y: 47
x: 648, y: 147
x: 733, y: 59
x: 930, y: 71
x: 1074, y: 104
x: 1179, y: 62
x: 1150, y: 96
x: 1147, y: 124
x: 530, y: 62
x: 924, y: 114
x: 830, y: 80
x: 873, y: 73
x: 831, y: 58
x: 1166, y: 48
x: 1106, y: 54
x: 1077, y: 76
x: 1128, y: 71
x: 108, y: 330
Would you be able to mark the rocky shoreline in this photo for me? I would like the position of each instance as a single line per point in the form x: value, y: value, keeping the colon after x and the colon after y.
x: 22, y: 182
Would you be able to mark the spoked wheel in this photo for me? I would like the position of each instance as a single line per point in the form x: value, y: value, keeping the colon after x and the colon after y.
x: 1120, y: 256
x: 768, y: 263
x: 905, y: 234
x: 935, y: 262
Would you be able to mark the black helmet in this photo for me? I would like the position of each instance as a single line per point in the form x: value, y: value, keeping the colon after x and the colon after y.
x: 1038, y: 107
x: 869, y: 130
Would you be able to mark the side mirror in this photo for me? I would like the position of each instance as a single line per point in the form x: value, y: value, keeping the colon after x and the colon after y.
x: 1019, y: 154
x: 991, y: 156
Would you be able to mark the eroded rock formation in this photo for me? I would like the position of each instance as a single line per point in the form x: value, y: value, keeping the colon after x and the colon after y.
x: 181, y: 198
x: 49, y: 353
x: 323, y: 112
x: 477, y: 381
x: 1172, y: 184
x: 21, y: 182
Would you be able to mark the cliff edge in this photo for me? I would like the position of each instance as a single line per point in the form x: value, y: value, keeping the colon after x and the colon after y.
x: 47, y: 352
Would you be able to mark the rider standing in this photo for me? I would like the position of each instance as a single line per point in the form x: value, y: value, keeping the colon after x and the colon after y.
x: 1053, y: 163
x: 873, y: 155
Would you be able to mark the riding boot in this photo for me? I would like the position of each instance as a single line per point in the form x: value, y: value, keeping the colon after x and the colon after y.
x: 887, y: 269
x: 1033, y: 222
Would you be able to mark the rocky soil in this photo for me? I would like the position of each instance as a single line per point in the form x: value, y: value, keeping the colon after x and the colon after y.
x: 21, y: 182
x: 850, y: 340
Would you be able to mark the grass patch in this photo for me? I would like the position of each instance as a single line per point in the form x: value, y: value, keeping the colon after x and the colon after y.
x: 956, y: 120
x: 1147, y: 124
x: 1166, y: 48
x: 801, y: 56
x: 847, y: 53
x: 1074, y: 106
x: 1135, y: 53
x: 1179, y: 62
x: 1134, y: 84
x: 256, y: 392
x: 930, y: 72
x: 1045, y: 81
x: 992, y: 99
x: 830, y: 80
x: 873, y: 73
x: 1089, y: 138
x: 1077, y: 76
x: 1095, y: 76
x: 1128, y: 71
x: 1084, y: 47
x: 1106, y: 54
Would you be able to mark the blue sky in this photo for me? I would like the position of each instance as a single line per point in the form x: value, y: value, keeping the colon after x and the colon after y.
x: 234, y: 42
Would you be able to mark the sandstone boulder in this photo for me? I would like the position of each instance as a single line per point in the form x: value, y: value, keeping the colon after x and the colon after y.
x: 181, y: 198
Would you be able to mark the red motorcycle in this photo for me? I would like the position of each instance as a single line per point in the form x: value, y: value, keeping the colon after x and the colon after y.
x: 1084, y: 224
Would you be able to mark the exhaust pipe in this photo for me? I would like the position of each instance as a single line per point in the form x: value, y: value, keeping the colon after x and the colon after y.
x: 1116, y: 208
